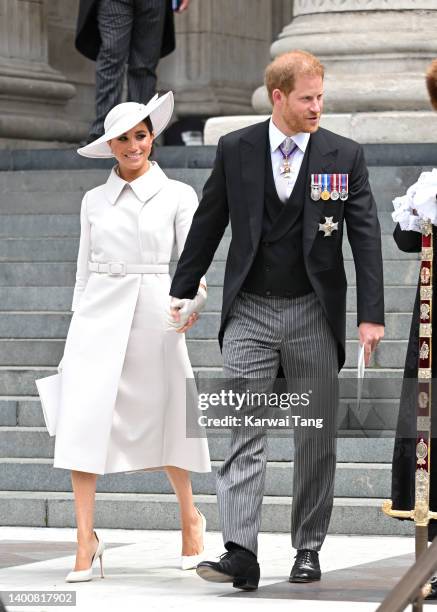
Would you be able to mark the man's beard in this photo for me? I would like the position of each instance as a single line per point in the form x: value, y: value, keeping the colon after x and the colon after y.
x: 297, y: 125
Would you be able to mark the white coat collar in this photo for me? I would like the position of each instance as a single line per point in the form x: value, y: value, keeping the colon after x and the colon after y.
x: 144, y: 187
x: 277, y: 137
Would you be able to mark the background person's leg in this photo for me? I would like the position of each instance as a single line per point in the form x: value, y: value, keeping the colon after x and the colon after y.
x: 115, y: 20
x: 145, y: 51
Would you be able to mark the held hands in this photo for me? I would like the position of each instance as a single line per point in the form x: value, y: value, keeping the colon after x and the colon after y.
x: 369, y: 335
x: 184, y: 313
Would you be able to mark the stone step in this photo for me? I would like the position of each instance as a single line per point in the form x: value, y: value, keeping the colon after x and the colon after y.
x: 160, y: 511
x: 25, y: 325
x: 372, y: 415
x: 39, y: 226
x: 34, y: 442
x: 30, y: 299
x: 39, y: 249
x: 178, y: 157
x: 384, y: 383
x: 34, y: 192
x: 63, y: 274
x: 398, y: 299
x: 202, y: 352
x: 377, y: 155
x: 389, y: 354
x: 351, y: 479
x: 65, y: 250
x: 27, y: 191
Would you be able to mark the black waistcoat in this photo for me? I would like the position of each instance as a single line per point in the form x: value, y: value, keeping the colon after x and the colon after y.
x: 278, y: 268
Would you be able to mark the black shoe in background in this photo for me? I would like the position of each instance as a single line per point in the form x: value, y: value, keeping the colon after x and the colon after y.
x: 237, y: 566
x: 433, y: 585
x: 306, y: 568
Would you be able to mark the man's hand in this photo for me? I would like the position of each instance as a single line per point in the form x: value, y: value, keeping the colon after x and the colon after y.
x: 184, y: 5
x: 369, y: 335
x: 174, y: 313
x: 184, y: 313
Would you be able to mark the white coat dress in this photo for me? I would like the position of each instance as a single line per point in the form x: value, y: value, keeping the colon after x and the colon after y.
x: 124, y: 394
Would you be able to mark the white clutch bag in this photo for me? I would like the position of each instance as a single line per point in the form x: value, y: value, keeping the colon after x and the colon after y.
x: 49, y: 390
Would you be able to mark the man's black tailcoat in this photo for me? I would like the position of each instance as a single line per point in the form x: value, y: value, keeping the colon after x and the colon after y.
x: 88, y: 40
x: 235, y: 191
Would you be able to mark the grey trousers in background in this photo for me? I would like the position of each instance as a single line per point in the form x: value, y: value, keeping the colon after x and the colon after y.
x: 262, y: 333
x: 131, y: 33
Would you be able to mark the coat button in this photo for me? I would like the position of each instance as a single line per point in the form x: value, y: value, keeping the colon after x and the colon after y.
x: 266, y: 244
x: 268, y: 268
x: 268, y: 293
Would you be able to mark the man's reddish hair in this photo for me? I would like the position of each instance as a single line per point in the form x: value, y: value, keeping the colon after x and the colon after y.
x: 431, y: 82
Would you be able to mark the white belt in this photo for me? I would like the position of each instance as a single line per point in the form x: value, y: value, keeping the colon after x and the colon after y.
x: 120, y: 268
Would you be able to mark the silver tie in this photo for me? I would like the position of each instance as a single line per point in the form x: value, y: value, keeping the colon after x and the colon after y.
x: 287, y: 145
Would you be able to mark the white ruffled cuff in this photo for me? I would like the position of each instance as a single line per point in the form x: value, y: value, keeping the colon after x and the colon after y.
x: 410, y: 223
x: 420, y: 198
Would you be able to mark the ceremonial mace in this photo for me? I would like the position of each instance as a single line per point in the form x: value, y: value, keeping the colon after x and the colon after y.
x: 421, y: 513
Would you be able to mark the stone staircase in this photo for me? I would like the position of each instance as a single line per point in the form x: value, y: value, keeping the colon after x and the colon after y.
x: 40, y: 194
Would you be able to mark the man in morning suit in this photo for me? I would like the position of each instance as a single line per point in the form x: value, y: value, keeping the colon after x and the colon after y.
x: 119, y: 32
x: 284, y: 297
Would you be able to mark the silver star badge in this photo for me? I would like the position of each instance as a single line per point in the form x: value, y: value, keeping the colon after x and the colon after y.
x: 328, y: 227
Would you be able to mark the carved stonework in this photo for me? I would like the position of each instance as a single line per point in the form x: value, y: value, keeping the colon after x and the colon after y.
x: 39, y: 92
x: 375, y: 54
x: 221, y: 48
x: 309, y: 7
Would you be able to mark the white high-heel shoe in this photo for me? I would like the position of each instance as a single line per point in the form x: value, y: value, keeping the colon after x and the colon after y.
x: 87, y: 575
x: 192, y: 561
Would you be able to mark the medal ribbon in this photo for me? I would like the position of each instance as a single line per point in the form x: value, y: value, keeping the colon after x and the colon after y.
x: 345, y: 182
x: 287, y: 156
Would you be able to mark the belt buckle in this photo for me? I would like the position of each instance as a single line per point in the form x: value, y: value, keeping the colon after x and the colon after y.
x: 116, y: 268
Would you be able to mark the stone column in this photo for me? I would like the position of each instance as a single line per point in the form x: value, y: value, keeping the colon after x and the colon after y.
x: 222, y: 46
x: 32, y: 94
x: 375, y: 53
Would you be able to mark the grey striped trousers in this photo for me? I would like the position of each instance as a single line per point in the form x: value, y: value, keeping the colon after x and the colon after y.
x: 131, y: 33
x: 260, y: 334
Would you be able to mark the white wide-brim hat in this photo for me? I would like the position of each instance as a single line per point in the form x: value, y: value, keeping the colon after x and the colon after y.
x: 127, y: 115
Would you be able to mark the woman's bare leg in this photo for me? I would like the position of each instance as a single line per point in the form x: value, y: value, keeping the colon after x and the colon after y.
x: 84, y: 488
x: 191, y: 523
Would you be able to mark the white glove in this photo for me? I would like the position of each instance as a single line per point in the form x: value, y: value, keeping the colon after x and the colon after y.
x: 187, y: 308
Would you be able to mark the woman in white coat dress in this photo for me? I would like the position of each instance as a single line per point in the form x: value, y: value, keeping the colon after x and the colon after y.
x: 124, y: 370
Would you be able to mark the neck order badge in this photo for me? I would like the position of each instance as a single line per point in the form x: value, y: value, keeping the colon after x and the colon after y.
x: 287, y: 150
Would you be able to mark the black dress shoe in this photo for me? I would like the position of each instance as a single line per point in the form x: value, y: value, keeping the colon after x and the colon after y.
x: 433, y: 584
x: 306, y: 568
x: 237, y: 566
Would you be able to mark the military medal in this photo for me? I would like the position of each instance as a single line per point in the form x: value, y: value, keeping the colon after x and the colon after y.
x: 285, y: 169
x: 316, y: 187
x: 328, y: 226
x: 325, y: 193
x: 344, y: 193
x: 335, y: 194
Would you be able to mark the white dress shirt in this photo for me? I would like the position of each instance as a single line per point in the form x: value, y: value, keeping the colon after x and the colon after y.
x: 284, y: 185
